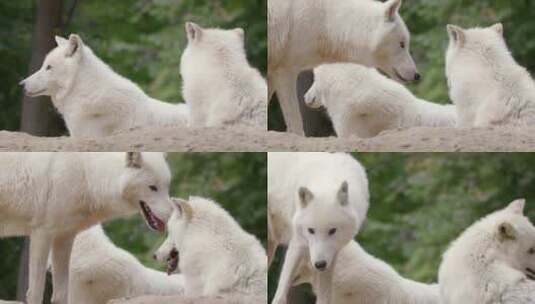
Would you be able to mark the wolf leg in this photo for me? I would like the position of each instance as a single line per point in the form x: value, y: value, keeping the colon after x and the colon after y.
x: 61, y: 256
x: 294, y: 254
x: 39, y: 251
x: 285, y: 84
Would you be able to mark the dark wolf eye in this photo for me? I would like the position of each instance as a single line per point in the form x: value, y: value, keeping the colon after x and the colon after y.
x: 531, y: 251
x: 332, y: 231
x: 311, y: 231
x: 48, y: 67
x: 153, y: 188
x: 402, y: 44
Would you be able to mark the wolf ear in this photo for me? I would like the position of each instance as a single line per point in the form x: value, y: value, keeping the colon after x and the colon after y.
x: 183, y: 207
x: 305, y: 196
x: 193, y: 31
x: 456, y: 34
x: 74, y: 46
x: 498, y: 27
x: 392, y: 9
x: 61, y: 41
x: 506, y: 231
x: 134, y: 160
x: 343, y: 194
x: 517, y: 206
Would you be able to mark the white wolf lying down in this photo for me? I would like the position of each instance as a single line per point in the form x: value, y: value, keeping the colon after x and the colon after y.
x: 220, y: 86
x: 486, y: 84
x: 361, y: 278
x: 491, y: 261
x: 212, y: 251
x: 317, y: 203
x: 362, y: 102
x: 50, y: 197
x: 93, y: 99
x: 101, y: 271
x: 303, y: 34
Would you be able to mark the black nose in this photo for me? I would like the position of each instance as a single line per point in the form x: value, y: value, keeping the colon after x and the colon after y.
x: 417, y: 77
x: 321, y: 265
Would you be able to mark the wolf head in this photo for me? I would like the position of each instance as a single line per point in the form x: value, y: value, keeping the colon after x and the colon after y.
x: 325, y: 222
x: 145, y: 184
x: 391, y: 45
x: 58, y: 70
x: 176, y: 228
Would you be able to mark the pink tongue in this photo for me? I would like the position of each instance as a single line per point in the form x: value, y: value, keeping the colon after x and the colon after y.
x: 160, y: 226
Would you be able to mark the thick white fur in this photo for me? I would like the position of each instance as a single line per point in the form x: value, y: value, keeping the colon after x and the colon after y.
x: 101, y: 271
x: 362, y: 278
x: 490, y: 259
x: 215, y: 254
x: 220, y: 86
x: 362, y: 102
x: 290, y: 220
x: 303, y: 34
x: 93, y: 99
x: 486, y: 84
x: 52, y: 196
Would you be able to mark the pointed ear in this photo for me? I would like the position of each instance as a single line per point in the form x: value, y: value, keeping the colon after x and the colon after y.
x: 193, y: 31
x: 457, y: 34
x: 517, y: 206
x: 134, y: 160
x: 75, y: 45
x: 392, y: 9
x: 305, y: 196
x: 61, y: 41
x: 506, y: 231
x: 343, y: 194
x: 498, y: 27
x: 183, y: 207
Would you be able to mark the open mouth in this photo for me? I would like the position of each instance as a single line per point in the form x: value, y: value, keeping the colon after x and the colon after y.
x: 530, y: 273
x: 400, y: 77
x: 172, y: 261
x: 152, y: 220
x: 33, y: 94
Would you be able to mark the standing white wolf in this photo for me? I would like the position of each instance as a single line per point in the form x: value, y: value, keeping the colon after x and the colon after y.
x: 101, y: 271
x: 491, y: 260
x: 50, y: 197
x: 220, y: 86
x: 93, y: 99
x: 361, y: 278
x: 485, y: 82
x: 362, y: 102
x: 303, y: 34
x: 317, y: 203
x: 212, y: 251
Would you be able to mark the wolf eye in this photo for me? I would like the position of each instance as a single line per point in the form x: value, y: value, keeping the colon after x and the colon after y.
x: 332, y: 231
x: 48, y: 67
x: 153, y: 188
x: 402, y: 44
x: 531, y: 251
x: 311, y: 230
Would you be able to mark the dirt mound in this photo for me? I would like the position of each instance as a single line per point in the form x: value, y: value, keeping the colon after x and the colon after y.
x: 181, y: 300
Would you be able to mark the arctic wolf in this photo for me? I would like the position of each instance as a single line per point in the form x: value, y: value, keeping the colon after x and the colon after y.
x: 485, y: 82
x: 220, y: 86
x: 303, y: 34
x: 100, y: 272
x: 50, y: 197
x: 490, y: 259
x: 93, y: 99
x: 361, y: 278
x: 362, y: 102
x: 317, y: 203
x: 212, y: 251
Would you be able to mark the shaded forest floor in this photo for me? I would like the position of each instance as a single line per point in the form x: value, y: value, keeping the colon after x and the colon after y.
x: 224, y: 139
x: 182, y: 300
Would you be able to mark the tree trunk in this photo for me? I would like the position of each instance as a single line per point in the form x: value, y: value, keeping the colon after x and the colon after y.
x: 38, y: 114
x: 22, y: 281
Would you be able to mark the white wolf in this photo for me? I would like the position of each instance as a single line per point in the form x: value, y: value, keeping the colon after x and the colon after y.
x: 212, y: 251
x: 490, y: 259
x: 303, y: 34
x: 50, y: 197
x: 361, y: 278
x: 485, y: 82
x: 220, y: 86
x: 93, y: 99
x: 317, y: 203
x: 362, y: 102
x: 100, y: 271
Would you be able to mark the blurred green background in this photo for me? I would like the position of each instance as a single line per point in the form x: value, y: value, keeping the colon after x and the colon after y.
x: 427, y: 22
x: 421, y: 202
x: 235, y: 180
x: 140, y: 39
